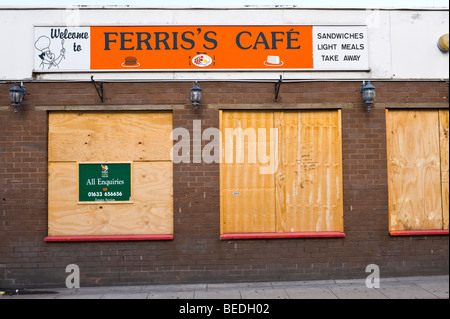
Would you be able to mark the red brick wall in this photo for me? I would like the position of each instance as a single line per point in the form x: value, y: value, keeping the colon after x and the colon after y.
x: 197, y: 254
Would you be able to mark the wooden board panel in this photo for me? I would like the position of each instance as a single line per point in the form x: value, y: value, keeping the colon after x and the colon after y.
x: 248, y: 193
x: 443, y: 119
x: 303, y: 190
x: 150, y: 213
x: 94, y: 136
x: 284, y: 142
x: 309, y: 176
x: 414, y: 170
x: 221, y: 172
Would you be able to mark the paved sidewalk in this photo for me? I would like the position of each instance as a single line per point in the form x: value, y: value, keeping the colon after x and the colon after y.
x: 434, y: 287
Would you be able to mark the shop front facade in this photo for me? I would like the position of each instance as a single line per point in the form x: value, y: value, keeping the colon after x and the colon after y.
x: 281, y: 172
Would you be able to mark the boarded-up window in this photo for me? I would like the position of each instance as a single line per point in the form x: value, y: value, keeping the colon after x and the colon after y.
x: 417, y: 143
x: 141, y: 139
x: 281, y: 172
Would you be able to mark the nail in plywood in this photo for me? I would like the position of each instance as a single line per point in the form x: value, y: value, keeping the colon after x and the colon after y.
x: 443, y: 127
x: 414, y: 170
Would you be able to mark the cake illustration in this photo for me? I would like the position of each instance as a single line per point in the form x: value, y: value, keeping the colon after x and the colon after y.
x: 130, y: 62
x: 273, y: 61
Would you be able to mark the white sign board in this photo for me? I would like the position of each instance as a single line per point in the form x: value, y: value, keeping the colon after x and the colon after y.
x: 61, y: 48
x: 340, y: 48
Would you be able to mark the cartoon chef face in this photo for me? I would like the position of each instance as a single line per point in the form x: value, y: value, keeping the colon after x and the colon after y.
x: 47, y: 54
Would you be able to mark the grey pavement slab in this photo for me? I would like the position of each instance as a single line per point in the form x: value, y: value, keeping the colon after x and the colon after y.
x: 439, y: 289
x: 171, y: 295
x: 422, y: 278
x: 124, y: 296
x: 264, y: 293
x: 81, y: 296
x: 168, y: 288
x: 356, y: 291
x: 310, y: 293
x: 241, y: 285
x: 218, y: 294
x: 405, y: 291
x: 390, y: 288
x: 302, y: 283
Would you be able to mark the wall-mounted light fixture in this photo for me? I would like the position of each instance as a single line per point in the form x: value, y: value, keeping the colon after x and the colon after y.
x: 196, y: 95
x: 16, y: 96
x: 368, y: 93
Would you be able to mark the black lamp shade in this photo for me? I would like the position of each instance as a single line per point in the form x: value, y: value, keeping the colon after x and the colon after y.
x: 16, y: 95
x: 196, y: 95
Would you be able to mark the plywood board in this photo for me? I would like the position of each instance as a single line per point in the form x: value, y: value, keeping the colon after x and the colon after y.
x: 150, y: 213
x: 142, y: 138
x: 414, y: 170
x: 248, y: 192
x: 222, y: 202
x: 309, y: 175
x: 118, y: 136
x: 444, y: 143
x: 302, y: 192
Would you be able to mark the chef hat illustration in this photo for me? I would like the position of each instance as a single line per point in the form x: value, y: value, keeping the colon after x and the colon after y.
x: 42, y: 44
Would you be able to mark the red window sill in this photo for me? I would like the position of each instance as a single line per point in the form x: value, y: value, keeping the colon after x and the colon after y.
x: 418, y: 232
x: 283, y: 235
x: 108, y: 238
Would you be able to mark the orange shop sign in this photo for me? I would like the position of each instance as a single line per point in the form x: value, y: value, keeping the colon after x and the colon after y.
x: 187, y: 48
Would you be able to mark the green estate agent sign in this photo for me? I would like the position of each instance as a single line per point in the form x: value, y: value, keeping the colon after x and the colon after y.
x: 104, y: 182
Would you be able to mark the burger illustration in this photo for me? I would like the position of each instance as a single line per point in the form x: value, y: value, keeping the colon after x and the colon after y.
x: 130, y: 62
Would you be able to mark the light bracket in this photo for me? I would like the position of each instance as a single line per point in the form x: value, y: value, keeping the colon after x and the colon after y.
x: 98, y: 87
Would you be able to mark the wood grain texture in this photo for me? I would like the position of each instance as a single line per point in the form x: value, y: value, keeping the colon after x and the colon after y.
x: 118, y: 136
x: 248, y: 197
x: 414, y: 170
x: 444, y: 143
x: 309, y: 176
x: 151, y: 211
x: 302, y: 193
x: 142, y: 138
